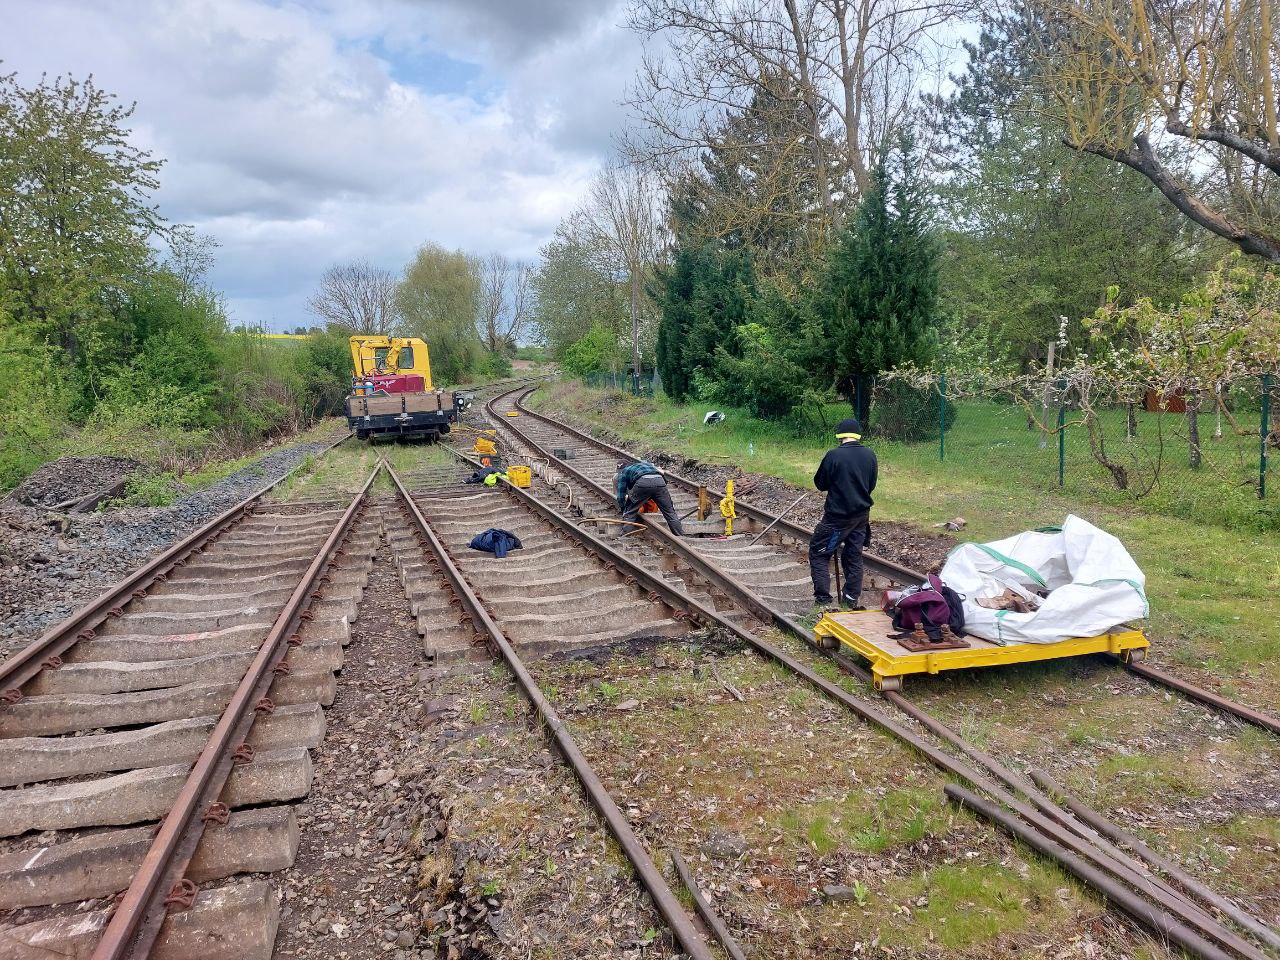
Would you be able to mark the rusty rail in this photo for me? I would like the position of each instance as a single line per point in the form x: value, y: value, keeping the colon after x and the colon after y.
x: 136, y: 922
x: 690, y: 940
x: 1049, y: 819
x: 42, y: 653
x: 905, y: 574
x: 1151, y: 915
x: 1162, y: 863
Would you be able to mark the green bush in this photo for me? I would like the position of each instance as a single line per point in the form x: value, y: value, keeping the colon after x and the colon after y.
x: 34, y: 406
x: 594, y: 353
x: 902, y: 412
x: 494, y: 365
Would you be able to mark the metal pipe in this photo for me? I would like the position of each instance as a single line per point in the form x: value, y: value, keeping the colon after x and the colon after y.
x: 709, y: 916
x: 30, y: 660
x: 136, y: 922
x: 1159, y: 861
x: 779, y: 518
x: 690, y: 940
x: 1145, y: 912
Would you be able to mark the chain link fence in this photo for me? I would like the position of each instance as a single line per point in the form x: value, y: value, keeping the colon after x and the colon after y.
x: 1212, y: 456
x: 641, y: 385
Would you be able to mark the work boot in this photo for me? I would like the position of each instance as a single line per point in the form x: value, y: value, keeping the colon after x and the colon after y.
x: 852, y: 604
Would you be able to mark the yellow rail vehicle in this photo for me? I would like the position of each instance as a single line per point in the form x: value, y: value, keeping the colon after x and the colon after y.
x: 391, y: 356
x: 392, y: 393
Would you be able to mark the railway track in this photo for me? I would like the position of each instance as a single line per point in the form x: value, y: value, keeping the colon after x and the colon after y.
x: 108, y: 731
x: 758, y: 577
x: 189, y: 694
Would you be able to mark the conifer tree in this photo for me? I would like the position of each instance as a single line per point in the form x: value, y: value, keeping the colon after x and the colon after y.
x: 705, y: 297
x: 880, y: 289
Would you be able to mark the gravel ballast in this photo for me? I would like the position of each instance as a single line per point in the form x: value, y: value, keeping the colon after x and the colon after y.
x: 51, y: 562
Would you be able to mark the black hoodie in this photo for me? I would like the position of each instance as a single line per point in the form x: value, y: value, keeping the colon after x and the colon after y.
x: 847, y: 475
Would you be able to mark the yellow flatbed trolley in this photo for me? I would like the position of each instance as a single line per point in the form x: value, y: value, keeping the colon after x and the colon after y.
x: 868, y: 633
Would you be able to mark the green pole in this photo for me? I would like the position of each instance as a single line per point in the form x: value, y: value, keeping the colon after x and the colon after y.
x: 1062, y: 442
x: 942, y: 416
x: 1262, y: 435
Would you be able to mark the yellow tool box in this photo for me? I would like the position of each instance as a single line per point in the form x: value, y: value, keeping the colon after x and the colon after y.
x: 519, y: 476
x: 868, y: 633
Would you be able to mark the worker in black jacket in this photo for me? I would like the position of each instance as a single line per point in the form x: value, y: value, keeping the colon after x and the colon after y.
x: 847, y: 475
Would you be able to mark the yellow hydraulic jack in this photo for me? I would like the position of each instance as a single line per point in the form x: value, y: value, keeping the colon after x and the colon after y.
x: 726, y: 508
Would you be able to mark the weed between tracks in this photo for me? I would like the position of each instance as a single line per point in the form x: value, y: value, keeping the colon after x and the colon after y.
x: 813, y: 834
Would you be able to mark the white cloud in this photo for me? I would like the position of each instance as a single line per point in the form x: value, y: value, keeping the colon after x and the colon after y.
x: 302, y: 135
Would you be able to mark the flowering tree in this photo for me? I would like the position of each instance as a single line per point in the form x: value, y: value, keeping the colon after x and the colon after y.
x: 1227, y: 328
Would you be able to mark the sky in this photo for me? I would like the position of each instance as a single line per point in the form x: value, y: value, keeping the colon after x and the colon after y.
x: 304, y: 134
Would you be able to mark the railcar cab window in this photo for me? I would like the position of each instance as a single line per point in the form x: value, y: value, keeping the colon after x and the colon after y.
x: 404, y: 360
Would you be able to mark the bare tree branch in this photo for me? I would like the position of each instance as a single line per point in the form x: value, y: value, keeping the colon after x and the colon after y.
x: 357, y: 296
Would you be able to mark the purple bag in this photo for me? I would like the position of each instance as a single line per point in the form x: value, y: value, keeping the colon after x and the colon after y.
x: 931, y: 606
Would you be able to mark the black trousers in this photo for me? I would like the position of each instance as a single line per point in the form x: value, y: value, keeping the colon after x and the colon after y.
x: 652, y: 487
x: 829, y: 537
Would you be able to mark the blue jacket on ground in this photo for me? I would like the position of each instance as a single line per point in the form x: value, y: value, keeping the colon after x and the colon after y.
x: 628, y: 476
x: 496, y: 541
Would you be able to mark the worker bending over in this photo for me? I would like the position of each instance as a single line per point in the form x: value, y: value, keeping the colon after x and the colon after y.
x: 637, y: 484
x: 847, y: 475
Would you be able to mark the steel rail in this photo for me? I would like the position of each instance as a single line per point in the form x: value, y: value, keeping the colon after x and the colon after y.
x: 872, y: 559
x: 1148, y: 914
x: 1049, y: 818
x: 1256, y: 717
x: 136, y: 922
x: 1162, y: 863
x: 690, y: 940
x: 906, y: 574
x: 705, y: 910
x: 43, y: 652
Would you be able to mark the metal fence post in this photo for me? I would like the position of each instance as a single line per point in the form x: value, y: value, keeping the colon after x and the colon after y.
x: 1263, y: 426
x: 942, y: 416
x: 1062, y: 441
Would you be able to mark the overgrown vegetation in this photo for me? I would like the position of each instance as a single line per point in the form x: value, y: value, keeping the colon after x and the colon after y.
x: 106, y: 346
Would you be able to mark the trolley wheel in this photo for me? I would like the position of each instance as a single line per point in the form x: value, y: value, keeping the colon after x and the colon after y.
x: 1136, y: 655
x: 889, y: 684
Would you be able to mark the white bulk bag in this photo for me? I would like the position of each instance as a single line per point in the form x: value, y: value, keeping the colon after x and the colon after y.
x: 1093, y: 584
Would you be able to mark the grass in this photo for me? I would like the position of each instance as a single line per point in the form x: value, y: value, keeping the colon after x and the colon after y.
x: 957, y: 906
x: 902, y: 816
x: 1213, y: 578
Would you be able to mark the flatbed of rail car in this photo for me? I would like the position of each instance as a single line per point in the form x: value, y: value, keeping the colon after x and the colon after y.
x: 869, y: 633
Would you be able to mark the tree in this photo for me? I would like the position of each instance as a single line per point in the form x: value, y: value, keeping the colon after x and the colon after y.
x: 439, y: 301
x: 357, y: 297
x: 1133, y: 81
x: 76, y: 219
x: 858, y: 62
x: 767, y: 366
x: 621, y: 217
x: 506, y: 295
x: 705, y: 295
x: 1039, y: 231
x: 755, y: 185
x: 575, y: 292
x: 880, y: 290
x: 1226, y: 328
